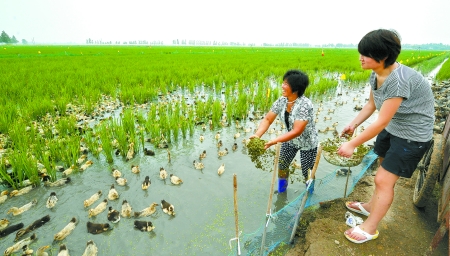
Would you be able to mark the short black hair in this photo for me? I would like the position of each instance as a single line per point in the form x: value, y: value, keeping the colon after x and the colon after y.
x: 297, y: 80
x: 381, y: 44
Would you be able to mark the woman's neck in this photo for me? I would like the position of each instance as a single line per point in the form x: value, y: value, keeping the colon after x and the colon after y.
x: 292, y: 98
x: 384, y: 72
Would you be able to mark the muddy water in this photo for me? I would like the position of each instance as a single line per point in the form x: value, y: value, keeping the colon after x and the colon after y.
x: 204, y: 221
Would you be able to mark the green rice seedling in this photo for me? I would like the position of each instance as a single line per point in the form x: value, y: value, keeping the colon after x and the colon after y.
x: 91, y: 143
x: 49, y: 165
x: 16, y: 132
x: 23, y: 167
x: 175, y: 124
x: 216, y: 112
x: 69, y: 147
x: 8, y: 116
x: 66, y: 126
x: 128, y: 122
x: 4, y: 173
x: 106, y: 138
x: 120, y: 134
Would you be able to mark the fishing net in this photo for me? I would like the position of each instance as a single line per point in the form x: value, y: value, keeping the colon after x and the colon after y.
x: 281, y: 223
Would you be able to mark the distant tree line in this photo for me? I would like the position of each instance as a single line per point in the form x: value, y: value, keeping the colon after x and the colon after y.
x: 91, y: 41
x: 4, y: 38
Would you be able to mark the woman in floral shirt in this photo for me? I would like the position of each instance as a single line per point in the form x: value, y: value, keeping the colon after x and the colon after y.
x: 298, y: 114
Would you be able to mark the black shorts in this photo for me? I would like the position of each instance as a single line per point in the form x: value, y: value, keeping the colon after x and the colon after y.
x: 401, y: 156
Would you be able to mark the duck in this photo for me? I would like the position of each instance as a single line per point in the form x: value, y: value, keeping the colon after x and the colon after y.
x: 41, y: 251
x: 86, y: 165
x: 121, y: 181
x: 97, y: 228
x: 198, y: 165
x: 81, y: 159
x: 63, y: 251
x: 162, y: 173
x: 332, y: 128
x: 202, y: 155
x: 113, y: 215
x: 57, y: 183
x: 130, y: 153
x: 223, y: 152
x: 3, y: 223
x: 295, y: 164
x: 343, y: 172
x: 66, y: 230
x: 3, y: 196
x: 234, y: 147
x: 219, y: 144
x: 204, y: 127
x: 245, y: 142
x: 247, y: 130
x: 145, y: 226
x: 19, y: 210
x: 237, y: 135
x: 331, y: 110
x: 316, y: 120
x: 116, y: 173
x: 19, y: 245
x: 135, y: 169
x: 20, y: 192
x: 68, y: 171
x: 322, y: 130
x: 326, y: 118
x: 52, y: 200
x: 146, y: 183
x: 167, y: 207
x: 91, y: 249
x: 36, y: 224
x: 358, y: 107
x: 149, y: 152
x: 202, y: 138
x: 126, y: 209
x: 146, y: 211
x: 175, y: 179
x: 221, y: 169
x: 113, y: 194
x: 271, y: 131
x: 26, y: 251
x: 11, y: 229
x: 217, y: 136
x: 98, y: 209
x: 88, y: 202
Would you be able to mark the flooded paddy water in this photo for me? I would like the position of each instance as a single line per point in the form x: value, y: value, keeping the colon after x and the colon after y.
x: 204, y: 221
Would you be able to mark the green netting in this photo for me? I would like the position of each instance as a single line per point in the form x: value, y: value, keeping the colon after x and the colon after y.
x: 281, y: 223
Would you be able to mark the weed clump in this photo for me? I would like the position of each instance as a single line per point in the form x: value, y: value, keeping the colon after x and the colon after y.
x: 330, y: 147
x: 262, y: 158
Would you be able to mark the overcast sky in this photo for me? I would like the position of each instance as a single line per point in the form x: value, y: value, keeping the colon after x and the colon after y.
x: 247, y: 21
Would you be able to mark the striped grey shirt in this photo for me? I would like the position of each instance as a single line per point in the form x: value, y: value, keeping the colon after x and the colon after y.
x: 414, y: 118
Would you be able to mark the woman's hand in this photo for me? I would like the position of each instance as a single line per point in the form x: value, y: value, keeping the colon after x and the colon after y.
x: 269, y: 144
x: 348, y: 130
x: 346, y: 149
x: 253, y: 136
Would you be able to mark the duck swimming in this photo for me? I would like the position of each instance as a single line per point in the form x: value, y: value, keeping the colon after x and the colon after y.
x: 69, y: 170
x: 98, y: 209
x: 92, y: 199
x: 16, y: 211
x: 36, y: 224
x: 198, y: 165
x: 52, y: 200
x: 237, y: 135
x: 116, y: 173
x: 63, y: 251
x: 113, y: 215
x: 86, y: 165
x: 91, y: 249
x: 202, y: 138
x: 113, y: 194
x: 97, y: 228
x: 147, y: 211
x: 175, y: 179
x: 234, y: 147
x: 217, y: 136
x: 167, y: 207
x: 126, y: 209
x: 57, y: 183
x: 145, y: 226
x: 66, y: 230
x: 3, y: 223
x: 20, y: 192
x: 121, y: 181
x: 219, y: 144
x: 81, y: 159
x: 202, y: 155
x: 19, y: 245
x: 130, y: 153
x: 146, y: 183
x: 11, y: 229
x: 343, y: 172
x: 135, y: 169
x: 162, y: 173
x: 223, y: 152
x: 26, y: 251
x: 149, y: 152
x: 221, y: 169
x: 41, y: 251
x: 3, y: 196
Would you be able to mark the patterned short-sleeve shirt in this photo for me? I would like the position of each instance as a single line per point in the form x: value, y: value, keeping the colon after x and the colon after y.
x: 303, y: 109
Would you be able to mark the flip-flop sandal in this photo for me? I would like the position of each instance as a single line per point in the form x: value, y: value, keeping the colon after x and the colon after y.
x: 358, y: 230
x: 360, y: 207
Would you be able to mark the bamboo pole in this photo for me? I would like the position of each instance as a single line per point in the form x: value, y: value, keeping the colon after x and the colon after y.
x: 348, y: 171
x: 236, y: 222
x: 305, y: 196
x: 269, y: 204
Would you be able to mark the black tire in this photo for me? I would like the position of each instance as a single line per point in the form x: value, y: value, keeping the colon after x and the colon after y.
x: 428, y: 169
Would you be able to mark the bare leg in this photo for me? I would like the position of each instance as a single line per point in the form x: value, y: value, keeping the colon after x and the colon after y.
x: 380, y: 202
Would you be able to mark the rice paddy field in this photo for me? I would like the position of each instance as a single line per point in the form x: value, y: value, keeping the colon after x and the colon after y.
x: 125, y: 106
